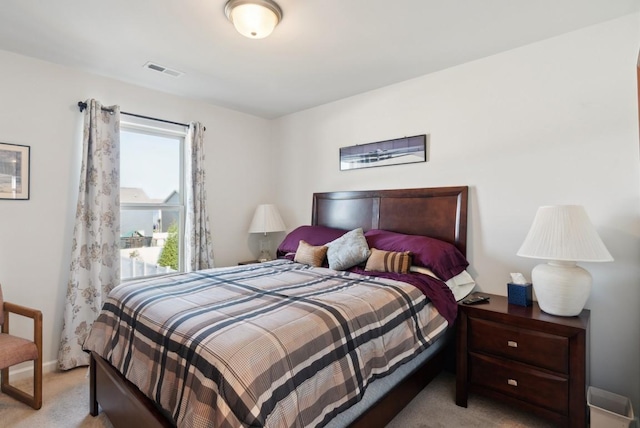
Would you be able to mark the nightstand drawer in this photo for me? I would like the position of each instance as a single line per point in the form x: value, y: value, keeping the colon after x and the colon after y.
x: 520, y: 381
x: 528, y: 346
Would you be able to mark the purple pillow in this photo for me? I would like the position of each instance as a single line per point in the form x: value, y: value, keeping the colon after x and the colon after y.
x: 443, y: 258
x: 313, y: 235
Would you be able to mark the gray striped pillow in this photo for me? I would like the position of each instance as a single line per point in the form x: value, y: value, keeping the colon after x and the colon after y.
x: 310, y: 255
x: 389, y: 261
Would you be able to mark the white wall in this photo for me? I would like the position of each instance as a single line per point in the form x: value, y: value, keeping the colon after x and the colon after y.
x: 38, y: 108
x: 554, y: 122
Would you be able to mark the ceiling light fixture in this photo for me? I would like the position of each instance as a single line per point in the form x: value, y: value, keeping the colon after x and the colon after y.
x: 254, y: 19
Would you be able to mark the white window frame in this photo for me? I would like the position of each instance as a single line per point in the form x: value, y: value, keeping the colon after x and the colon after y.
x: 156, y: 128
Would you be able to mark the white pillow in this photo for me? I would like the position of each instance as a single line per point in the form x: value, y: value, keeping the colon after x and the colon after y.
x: 348, y: 250
x: 460, y: 285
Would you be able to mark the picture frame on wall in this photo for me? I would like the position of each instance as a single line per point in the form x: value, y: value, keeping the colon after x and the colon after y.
x: 14, y: 171
x: 382, y: 153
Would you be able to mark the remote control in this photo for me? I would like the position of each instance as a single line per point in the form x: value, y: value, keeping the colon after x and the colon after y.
x: 474, y: 300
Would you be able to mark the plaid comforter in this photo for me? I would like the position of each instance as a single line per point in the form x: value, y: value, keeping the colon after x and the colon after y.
x: 277, y: 344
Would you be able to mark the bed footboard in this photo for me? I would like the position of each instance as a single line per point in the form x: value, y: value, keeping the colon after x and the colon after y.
x: 123, y: 403
x: 126, y: 406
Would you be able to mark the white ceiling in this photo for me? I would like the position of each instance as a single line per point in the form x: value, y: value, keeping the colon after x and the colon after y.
x: 323, y: 50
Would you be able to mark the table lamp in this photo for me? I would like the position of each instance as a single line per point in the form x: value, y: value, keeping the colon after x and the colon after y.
x: 266, y: 220
x: 563, y: 235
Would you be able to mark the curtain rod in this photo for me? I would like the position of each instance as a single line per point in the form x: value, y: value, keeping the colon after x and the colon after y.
x: 82, y: 105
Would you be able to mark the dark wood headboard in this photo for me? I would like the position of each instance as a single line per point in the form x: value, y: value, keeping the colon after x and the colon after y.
x: 439, y: 212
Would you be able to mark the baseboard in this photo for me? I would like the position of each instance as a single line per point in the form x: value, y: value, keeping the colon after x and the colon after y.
x: 25, y: 370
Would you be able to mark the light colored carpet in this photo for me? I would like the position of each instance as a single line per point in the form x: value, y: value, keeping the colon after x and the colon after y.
x: 435, y: 407
x: 66, y: 405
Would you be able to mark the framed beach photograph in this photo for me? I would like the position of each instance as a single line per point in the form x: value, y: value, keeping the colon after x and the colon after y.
x: 14, y: 171
x: 382, y: 153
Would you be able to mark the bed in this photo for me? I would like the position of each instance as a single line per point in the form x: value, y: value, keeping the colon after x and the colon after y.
x: 435, y: 212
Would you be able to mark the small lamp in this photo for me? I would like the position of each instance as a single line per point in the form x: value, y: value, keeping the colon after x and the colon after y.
x: 266, y: 220
x: 563, y: 235
x: 254, y: 19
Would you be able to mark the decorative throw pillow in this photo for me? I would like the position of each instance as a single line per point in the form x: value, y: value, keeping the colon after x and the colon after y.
x: 348, y: 250
x: 309, y: 254
x: 389, y: 261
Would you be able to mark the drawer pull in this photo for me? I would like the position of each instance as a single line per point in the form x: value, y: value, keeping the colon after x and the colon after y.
x: 512, y: 344
x: 512, y: 382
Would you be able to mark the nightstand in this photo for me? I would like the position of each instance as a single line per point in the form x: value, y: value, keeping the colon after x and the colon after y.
x: 248, y: 262
x: 525, y: 357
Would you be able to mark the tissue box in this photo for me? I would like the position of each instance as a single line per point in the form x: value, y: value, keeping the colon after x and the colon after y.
x: 519, y: 294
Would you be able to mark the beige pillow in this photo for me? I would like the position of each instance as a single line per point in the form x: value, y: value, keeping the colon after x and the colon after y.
x: 389, y: 261
x: 309, y: 255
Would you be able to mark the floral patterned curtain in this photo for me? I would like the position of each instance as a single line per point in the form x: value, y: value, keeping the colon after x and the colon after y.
x: 95, y: 254
x: 198, y: 244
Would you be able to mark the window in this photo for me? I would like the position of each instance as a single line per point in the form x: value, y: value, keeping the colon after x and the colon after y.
x: 151, y: 198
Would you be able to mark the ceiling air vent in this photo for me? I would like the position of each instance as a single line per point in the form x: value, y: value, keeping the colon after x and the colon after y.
x: 163, y: 70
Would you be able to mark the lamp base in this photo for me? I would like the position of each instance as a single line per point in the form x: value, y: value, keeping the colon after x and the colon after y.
x: 265, y: 254
x: 562, y: 288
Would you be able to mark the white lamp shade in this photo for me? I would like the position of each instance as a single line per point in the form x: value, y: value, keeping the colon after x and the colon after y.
x: 266, y: 219
x: 254, y: 19
x: 564, y: 233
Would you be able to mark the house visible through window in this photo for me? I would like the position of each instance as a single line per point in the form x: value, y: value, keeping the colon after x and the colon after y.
x: 151, y: 198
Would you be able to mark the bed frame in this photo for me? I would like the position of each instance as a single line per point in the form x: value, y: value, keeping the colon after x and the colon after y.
x: 437, y: 212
